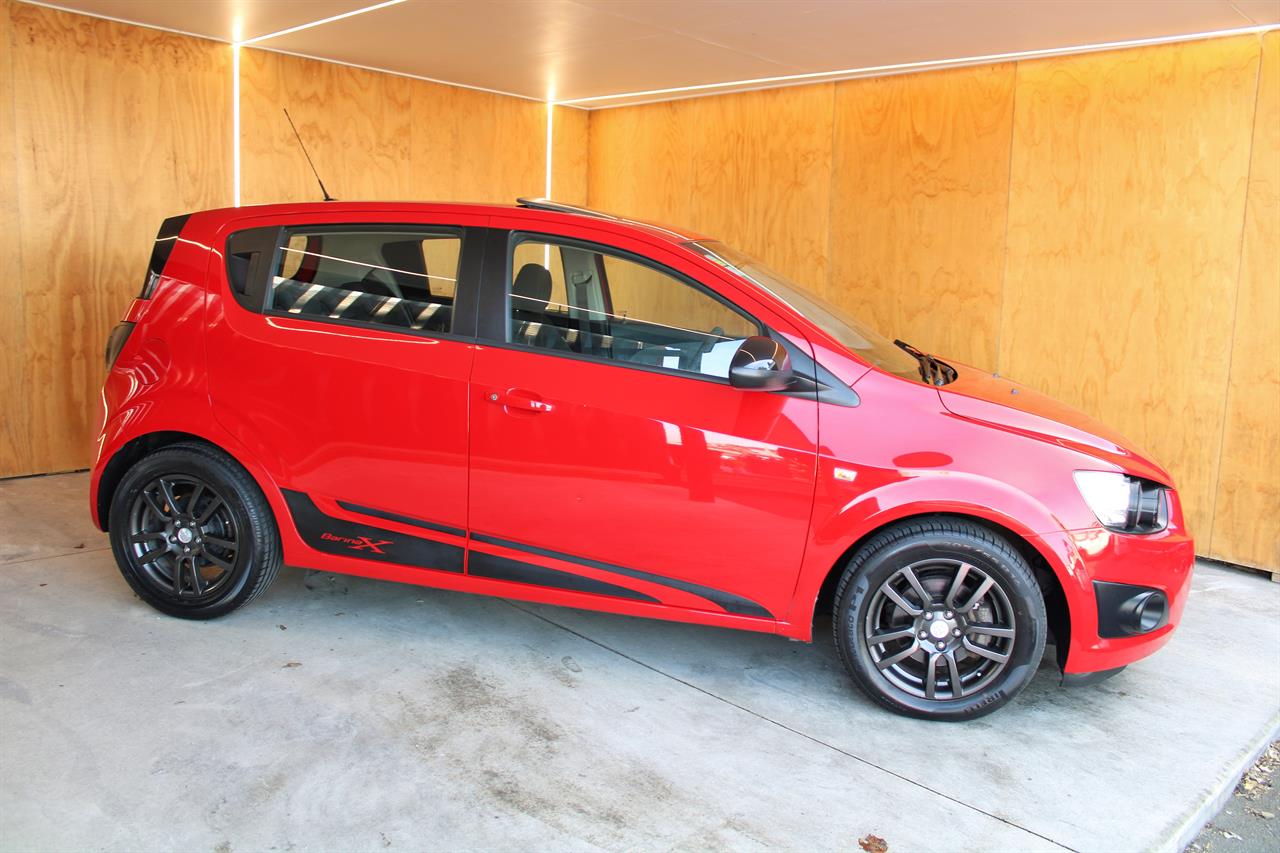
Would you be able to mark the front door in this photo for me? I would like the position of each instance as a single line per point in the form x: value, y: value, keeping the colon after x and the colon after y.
x: 611, y: 456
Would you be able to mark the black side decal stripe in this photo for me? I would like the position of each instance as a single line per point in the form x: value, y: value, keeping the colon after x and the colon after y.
x: 350, y: 539
x: 727, y: 601
x: 403, y: 519
x: 502, y: 568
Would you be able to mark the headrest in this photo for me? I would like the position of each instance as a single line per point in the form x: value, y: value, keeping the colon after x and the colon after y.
x: 408, y: 267
x: 533, y: 286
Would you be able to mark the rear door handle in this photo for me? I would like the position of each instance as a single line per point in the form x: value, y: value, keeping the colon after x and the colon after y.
x: 518, y: 399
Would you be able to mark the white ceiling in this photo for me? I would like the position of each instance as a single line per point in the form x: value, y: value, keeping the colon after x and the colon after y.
x: 575, y: 49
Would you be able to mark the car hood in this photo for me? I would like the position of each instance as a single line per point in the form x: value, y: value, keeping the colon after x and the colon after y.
x: 979, y: 396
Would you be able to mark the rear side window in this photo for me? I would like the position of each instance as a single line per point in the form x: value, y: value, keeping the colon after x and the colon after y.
x: 402, y: 278
x: 578, y: 298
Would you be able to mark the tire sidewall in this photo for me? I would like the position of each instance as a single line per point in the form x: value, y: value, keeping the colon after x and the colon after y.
x: 1012, y: 574
x: 248, y: 563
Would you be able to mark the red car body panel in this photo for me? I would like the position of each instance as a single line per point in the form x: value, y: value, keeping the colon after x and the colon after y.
x: 638, y: 492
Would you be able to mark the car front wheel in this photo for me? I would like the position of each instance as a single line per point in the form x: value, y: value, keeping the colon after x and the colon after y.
x: 940, y: 619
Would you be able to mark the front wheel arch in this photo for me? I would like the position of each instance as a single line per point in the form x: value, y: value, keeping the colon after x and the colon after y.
x: 1055, y: 599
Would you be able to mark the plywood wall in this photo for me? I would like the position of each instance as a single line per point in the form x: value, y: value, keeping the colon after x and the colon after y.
x: 1074, y: 223
x: 752, y: 169
x: 571, y: 131
x: 15, y: 420
x: 1246, y: 524
x: 106, y: 129
x: 109, y: 129
x: 381, y: 136
x: 919, y: 197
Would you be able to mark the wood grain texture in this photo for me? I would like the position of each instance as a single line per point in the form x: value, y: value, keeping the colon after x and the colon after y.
x: 571, y: 138
x: 640, y: 162
x: 1246, y: 524
x: 919, y: 195
x: 476, y: 146
x: 356, y: 125
x: 762, y: 175
x: 116, y: 128
x: 15, y: 435
x: 381, y: 136
x: 1127, y: 202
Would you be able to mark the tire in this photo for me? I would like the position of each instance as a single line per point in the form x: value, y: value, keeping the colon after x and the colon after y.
x: 907, y: 642
x: 192, y: 533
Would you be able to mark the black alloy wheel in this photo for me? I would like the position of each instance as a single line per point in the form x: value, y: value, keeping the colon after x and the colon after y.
x: 940, y: 618
x: 192, y: 533
x: 183, y: 537
x: 940, y: 629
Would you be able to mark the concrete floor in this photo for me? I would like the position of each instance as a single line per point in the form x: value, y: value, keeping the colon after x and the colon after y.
x: 340, y: 713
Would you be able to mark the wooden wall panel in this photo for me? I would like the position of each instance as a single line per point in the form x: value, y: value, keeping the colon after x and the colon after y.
x: 15, y: 391
x: 1246, y: 524
x: 920, y: 190
x: 571, y: 131
x: 751, y: 169
x: 497, y: 150
x: 382, y: 136
x: 1126, y: 207
x: 356, y: 124
x: 640, y: 162
x: 116, y: 128
x: 762, y: 175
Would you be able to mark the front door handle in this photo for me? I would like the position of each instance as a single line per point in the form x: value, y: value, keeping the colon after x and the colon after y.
x: 518, y: 399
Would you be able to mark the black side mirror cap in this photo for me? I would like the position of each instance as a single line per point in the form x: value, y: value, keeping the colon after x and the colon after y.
x: 760, y: 364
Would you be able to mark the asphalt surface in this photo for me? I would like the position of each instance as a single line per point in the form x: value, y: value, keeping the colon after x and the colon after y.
x: 1250, y: 821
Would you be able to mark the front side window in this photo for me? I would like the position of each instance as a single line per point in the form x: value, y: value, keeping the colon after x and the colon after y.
x: 579, y: 299
x: 402, y: 278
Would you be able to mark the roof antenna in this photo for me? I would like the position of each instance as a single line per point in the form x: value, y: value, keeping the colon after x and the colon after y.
x: 324, y: 191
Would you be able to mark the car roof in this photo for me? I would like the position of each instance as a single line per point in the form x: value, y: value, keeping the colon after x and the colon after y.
x: 536, y: 210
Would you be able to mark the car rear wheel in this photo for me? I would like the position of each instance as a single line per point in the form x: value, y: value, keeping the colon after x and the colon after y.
x: 940, y: 619
x: 192, y: 533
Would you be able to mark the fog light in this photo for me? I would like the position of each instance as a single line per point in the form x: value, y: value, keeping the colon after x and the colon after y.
x: 1143, y: 612
x: 1127, y: 610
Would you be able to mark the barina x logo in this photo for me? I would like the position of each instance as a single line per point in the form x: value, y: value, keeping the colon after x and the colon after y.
x: 364, y: 543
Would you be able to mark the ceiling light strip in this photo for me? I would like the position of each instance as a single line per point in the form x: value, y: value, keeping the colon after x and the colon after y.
x: 329, y: 20
x: 924, y: 65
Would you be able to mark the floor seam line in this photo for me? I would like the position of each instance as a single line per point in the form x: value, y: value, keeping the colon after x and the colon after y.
x: 70, y: 553
x: 796, y: 732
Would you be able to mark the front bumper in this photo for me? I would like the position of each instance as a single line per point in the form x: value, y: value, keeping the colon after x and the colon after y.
x: 1103, y: 635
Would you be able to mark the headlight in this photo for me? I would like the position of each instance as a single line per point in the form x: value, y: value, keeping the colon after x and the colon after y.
x: 1123, y: 503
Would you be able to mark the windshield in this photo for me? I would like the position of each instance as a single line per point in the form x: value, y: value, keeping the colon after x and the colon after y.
x: 865, y: 342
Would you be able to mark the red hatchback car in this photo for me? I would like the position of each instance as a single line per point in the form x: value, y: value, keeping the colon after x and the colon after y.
x: 547, y: 403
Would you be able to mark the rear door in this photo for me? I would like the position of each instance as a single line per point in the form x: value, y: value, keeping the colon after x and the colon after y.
x: 610, y: 455
x: 339, y: 353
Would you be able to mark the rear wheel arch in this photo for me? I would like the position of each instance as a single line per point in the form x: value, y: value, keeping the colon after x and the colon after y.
x: 1055, y: 600
x: 136, y: 449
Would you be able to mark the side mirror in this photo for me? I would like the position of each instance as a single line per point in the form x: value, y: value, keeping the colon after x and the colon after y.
x: 760, y: 364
